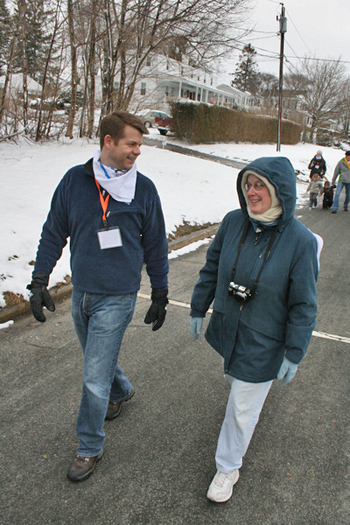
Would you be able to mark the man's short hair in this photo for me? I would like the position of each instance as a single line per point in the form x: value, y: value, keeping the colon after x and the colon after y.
x: 114, y: 125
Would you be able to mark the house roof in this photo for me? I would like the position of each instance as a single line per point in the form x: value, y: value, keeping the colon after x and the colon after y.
x: 16, y: 83
x: 233, y: 91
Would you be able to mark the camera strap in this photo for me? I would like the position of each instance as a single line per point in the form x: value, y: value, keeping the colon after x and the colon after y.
x: 266, y: 255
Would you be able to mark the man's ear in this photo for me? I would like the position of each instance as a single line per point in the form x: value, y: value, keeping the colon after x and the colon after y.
x: 108, y: 142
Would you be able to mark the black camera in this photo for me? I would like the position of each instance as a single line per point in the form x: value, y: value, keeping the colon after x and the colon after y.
x: 240, y: 293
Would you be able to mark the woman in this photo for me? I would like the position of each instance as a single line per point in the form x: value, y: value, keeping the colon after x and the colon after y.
x: 317, y: 165
x: 261, y: 272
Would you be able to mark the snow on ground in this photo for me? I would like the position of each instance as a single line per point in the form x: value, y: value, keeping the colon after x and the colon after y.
x: 191, y: 189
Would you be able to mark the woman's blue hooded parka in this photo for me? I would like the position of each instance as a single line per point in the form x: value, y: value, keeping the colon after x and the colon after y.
x: 278, y: 321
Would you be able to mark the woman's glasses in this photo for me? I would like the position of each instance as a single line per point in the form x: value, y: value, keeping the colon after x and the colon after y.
x: 258, y: 186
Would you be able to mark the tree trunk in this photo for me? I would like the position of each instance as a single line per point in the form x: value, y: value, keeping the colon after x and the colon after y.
x: 47, y: 62
x: 91, y: 72
x: 8, y: 75
x: 74, y: 71
x: 22, y: 24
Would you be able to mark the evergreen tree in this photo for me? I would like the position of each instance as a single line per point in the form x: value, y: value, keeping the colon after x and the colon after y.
x: 37, y: 35
x: 247, y: 71
x: 35, y: 38
x: 4, y: 34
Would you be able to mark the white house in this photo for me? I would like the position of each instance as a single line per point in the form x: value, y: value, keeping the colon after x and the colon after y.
x: 16, y: 84
x: 164, y: 80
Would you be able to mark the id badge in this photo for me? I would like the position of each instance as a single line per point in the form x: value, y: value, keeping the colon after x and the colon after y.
x: 110, y: 238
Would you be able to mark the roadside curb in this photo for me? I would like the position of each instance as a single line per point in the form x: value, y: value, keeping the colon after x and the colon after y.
x: 7, y: 313
x: 176, y: 148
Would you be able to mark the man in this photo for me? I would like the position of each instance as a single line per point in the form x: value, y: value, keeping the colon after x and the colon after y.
x: 113, y: 216
x: 342, y: 170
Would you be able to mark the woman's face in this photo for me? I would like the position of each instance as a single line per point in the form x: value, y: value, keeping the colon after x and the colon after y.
x: 259, y: 199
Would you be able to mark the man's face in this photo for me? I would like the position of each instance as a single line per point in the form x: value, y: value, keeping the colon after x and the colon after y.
x: 122, y: 155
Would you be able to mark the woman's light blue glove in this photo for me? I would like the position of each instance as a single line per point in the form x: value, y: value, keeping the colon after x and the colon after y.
x: 287, y: 371
x: 196, y: 324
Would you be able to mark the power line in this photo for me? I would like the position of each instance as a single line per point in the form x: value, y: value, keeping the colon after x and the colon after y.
x: 322, y: 59
x: 293, y: 52
x: 271, y: 54
x: 295, y: 27
x: 263, y: 38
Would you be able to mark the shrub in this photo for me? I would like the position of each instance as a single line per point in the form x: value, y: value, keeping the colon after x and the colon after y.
x: 200, y: 123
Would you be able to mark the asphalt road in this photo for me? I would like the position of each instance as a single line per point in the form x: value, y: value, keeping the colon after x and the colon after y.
x: 159, y: 453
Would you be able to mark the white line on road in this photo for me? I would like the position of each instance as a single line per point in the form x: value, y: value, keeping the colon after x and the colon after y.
x: 322, y: 335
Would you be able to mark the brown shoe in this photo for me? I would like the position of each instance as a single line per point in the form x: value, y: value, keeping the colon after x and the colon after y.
x: 82, y: 467
x: 114, y: 408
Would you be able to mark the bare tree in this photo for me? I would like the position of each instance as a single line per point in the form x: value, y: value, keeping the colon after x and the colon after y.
x: 74, y: 69
x: 344, y: 117
x: 297, y: 82
x: 22, y: 25
x: 267, y: 93
x: 11, y: 53
x: 88, y: 36
x: 91, y: 71
x: 56, y: 86
x: 136, y: 28
x: 120, y: 36
x: 322, y: 81
x: 56, y: 27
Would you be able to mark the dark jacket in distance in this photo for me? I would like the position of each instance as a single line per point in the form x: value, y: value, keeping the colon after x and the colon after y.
x: 317, y: 165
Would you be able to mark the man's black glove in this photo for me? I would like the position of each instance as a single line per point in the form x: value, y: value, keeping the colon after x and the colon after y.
x: 157, y: 311
x: 39, y: 296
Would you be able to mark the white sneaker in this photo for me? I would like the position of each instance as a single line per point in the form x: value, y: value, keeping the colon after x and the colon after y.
x: 221, y: 487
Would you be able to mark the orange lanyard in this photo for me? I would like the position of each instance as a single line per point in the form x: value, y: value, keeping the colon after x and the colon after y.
x: 104, y: 205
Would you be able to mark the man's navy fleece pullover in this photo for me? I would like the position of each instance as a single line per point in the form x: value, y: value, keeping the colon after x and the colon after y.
x: 76, y: 212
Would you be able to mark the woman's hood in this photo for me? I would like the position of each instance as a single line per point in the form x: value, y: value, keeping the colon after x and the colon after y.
x: 281, y: 174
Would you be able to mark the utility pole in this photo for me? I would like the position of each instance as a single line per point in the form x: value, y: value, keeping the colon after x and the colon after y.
x: 283, y: 29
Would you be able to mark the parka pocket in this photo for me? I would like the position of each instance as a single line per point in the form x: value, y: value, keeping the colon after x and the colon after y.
x: 215, y: 332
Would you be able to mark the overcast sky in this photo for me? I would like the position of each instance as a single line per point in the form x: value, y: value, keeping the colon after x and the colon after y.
x: 317, y: 28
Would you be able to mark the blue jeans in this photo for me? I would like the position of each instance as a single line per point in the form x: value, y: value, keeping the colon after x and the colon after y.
x: 340, y: 186
x: 100, y: 322
x: 313, y: 200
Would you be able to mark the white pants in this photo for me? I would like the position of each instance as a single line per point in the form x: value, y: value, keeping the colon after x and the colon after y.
x: 244, y: 405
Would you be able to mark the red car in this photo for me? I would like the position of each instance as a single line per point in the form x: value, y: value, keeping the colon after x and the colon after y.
x: 156, y: 119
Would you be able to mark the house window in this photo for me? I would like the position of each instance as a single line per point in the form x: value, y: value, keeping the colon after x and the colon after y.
x: 211, y: 81
x: 148, y: 61
x: 143, y: 88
